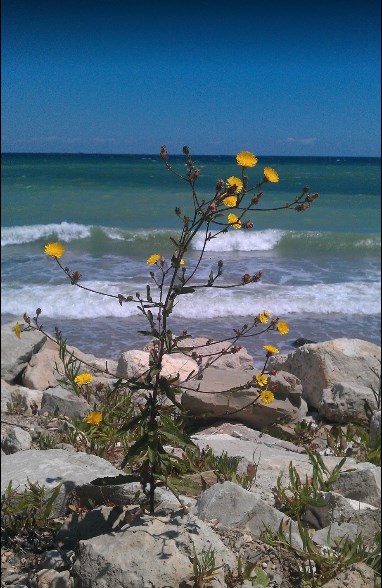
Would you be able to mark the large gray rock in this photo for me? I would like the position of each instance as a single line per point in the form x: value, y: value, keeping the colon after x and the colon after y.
x: 134, y: 365
x: 6, y: 395
x: 319, y: 366
x: 27, y: 399
x: 59, y: 401
x: 358, y: 575
x: 17, y: 440
x: 361, y: 483
x: 375, y: 429
x: 213, y: 397
x: 335, y: 533
x: 41, y: 372
x: 16, y: 352
x: 51, y: 467
x: 338, y: 508
x: 272, y: 459
x: 234, y: 507
x: 220, y: 355
x: 347, y: 403
x: 151, y: 552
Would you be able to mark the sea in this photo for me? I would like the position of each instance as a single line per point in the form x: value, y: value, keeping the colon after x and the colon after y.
x: 321, y: 267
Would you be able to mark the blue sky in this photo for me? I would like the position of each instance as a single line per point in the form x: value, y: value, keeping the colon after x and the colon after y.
x: 111, y: 76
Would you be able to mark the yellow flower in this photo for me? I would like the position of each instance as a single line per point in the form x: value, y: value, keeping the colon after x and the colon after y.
x: 83, y: 379
x: 246, y: 159
x: 234, y: 221
x: 94, y: 418
x: 282, y: 328
x: 17, y: 330
x: 54, y: 249
x: 270, y: 349
x: 261, y: 379
x: 230, y: 201
x: 182, y: 262
x: 270, y: 175
x: 153, y: 259
x: 262, y: 318
x: 267, y: 397
x: 234, y: 181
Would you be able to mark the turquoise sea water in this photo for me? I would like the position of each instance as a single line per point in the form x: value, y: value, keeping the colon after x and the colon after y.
x: 321, y: 268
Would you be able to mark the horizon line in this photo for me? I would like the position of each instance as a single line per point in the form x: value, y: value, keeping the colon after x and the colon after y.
x: 176, y: 154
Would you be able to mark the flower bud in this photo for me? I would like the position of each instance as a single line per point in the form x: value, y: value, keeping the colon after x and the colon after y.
x: 219, y: 185
x: 186, y: 150
x: 163, y: 153
x: 257, y: 276
x: 247, y: 225
x: 212, y: 207
x: 256, y: 199
x: 305, y: 189
x: 246, y: 278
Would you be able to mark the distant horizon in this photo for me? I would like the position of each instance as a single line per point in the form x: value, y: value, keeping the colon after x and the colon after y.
x: 144, y: 153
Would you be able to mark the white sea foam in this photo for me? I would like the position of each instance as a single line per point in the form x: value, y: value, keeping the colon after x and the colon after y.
x: 241, y: 241
x: 63, y: 301
x: 26, y: 234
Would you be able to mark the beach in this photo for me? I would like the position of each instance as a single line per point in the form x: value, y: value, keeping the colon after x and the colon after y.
x: 321, y: 267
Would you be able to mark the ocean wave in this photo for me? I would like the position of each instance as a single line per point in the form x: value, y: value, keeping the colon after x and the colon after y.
x: 280, y: 241
x: 63, y: 301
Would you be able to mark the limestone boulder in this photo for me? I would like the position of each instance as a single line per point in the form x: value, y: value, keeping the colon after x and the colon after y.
x: 51, y: 467
x: 208, y: 350
x: 16, y: 352
x: 41, y: 371
x: 357, y: 575
x: 347, y: 403
x: 61, y: 402
x: 134, y: 365
x: 214, y: 397
x: 321, y: 365
x: 152, y: 551
x: 17, y: 439
x: 6, y: 395
x: 375, y: 429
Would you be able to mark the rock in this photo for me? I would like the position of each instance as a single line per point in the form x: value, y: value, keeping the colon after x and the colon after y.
x: 53, y: 559
x: 98, y: 521
x: 212, y: 397
x: 363, y: 483
x: 41, y: 372
x: 357, y: 575
x: 6, y: 395
x: 375, y: 429
x: 51, y: 467
x: 26, y: 398
x: 152, y: 551
x: 134, y: 364
x: 59, y: 401
x: 345, y: 403
x: 320, y: 366
x: 16, y: 352
x: 273, y: 460
x: 17, y: 440
x: 302, y: 341
x: 240, y: 359
x: 338, y: 508
x: 335, y: 533
x: 54, y: 579
x: 234, y: 507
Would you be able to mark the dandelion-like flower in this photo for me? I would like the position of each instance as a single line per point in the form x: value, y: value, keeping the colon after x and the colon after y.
x: 246, y: 159
x: 261, y: 379
x: 282, y: 328
x: 270, y: 175
x: 94, y: 417
x: 270, y: 349
x: 153, y: 259
x: 267, y: 397
x: 234, y: 181
x: 54, y: 249
x: 182, y: 262
x: 83, y: 379
x: 230, y: 201
x: 17, y: 330
x: 262, y: 318
x: 233, y: 220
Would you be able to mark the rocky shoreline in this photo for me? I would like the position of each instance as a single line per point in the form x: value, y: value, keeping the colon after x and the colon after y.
x: 115, y: 542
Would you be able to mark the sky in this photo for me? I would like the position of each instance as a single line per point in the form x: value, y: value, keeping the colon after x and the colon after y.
x: 112, y: 76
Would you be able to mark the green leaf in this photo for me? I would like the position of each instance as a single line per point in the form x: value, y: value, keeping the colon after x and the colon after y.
x: 132, y: 423
x: 138, y: 448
